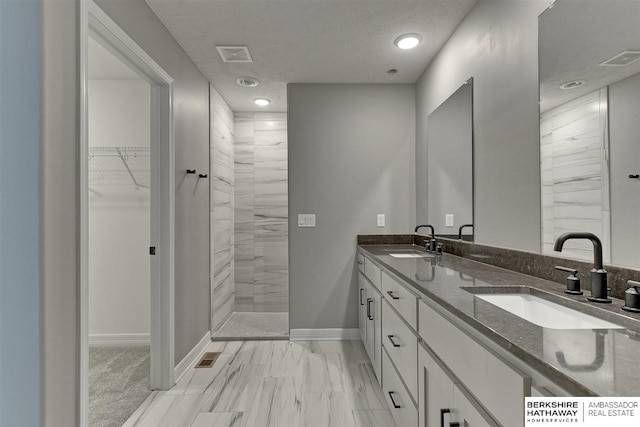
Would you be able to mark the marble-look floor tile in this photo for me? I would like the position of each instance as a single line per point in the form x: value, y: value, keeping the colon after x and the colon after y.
x: 288, y: 359
x: 266, y: 383
x: 362, y: 388
x: 278, y: 403
x: 323, y: 372
x: 196, y: 381
x: 374, y: 418
x: 168, y: 410
x: 235, y: 391
x: 219, y: 419
x: 326, y: 410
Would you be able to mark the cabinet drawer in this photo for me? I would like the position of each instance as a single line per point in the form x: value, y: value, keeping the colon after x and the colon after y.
x: 401, y: 299
x: 402, y: 346
x: 373, y: 273
x: 402, y: 408
x: 360, y: 259
x: 500, y: 388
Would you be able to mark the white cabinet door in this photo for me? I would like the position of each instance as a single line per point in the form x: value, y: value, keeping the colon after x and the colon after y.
x: 362, y: 306
x: 435, y: 392
x: 370, y: 316
x: 468, y: 413
x: 375, y: 340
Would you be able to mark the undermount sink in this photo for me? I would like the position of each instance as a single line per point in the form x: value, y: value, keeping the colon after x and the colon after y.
x: 409, y: 254
x: 544, y: 313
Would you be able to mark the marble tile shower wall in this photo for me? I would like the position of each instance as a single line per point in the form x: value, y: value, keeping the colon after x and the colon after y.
x: 261, y: 218
x: 575, y: 188
x: 222, y: 188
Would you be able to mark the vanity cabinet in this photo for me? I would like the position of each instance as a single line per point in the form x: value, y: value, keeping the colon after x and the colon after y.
x: 370, y: 322
x: 444, y: 401
x: 499, y: 387
x: 427, y: 361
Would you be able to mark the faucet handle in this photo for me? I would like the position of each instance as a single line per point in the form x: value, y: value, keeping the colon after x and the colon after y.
x: 632, y: 297
x: 572, y: 271
x: 573, y: 282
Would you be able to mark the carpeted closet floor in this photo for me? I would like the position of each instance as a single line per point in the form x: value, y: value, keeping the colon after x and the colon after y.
x: 118, y: 383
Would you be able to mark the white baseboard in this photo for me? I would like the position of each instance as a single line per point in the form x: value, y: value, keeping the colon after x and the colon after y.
x: 331, y: 334
x: 192, y: 358
x: 104, y: 340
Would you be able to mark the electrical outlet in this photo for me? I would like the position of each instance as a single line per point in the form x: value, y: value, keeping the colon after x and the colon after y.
x: 448, y: 220
x: 380, y: 220
x: 306, y: 220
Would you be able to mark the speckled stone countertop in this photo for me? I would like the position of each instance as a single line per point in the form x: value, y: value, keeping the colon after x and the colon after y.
x: 584, y: 362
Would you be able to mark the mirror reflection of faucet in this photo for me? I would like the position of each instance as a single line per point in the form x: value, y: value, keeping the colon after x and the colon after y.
x: 597, y: 361
x: 462, y: 227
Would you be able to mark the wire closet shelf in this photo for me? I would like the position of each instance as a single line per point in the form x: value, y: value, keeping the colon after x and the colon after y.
x: 120, y: 166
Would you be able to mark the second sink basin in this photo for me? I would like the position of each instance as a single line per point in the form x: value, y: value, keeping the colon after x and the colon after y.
x: 410, y: 254
x: 544, y: 313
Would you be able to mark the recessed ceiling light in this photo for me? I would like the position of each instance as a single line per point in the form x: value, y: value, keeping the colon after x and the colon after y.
x: 247, y: 81
x: 408, y: 41
x: 573, y: 84
x: 262, y: 102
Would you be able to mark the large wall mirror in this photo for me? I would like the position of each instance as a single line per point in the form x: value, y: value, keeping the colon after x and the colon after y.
x: 589, y: 59
x: 450, y: 165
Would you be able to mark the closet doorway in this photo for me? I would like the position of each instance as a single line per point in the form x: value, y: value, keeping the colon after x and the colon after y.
x: 119, y: 238
x: 127, y: 184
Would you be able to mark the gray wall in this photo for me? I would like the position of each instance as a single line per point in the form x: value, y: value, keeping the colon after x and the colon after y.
x: 624, y: 128
x: 58, y: 213
x: 351, y: 156
x: 191, y: 107
x: 497, y: 45
x: 19, y: 213
x: 450, y: 164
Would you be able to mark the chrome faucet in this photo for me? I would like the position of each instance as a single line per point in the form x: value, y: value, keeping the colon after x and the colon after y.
x: 598, y: 274
x: 431, y: 246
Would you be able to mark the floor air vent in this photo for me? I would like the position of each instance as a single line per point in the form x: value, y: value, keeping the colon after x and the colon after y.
x: 208, y: 360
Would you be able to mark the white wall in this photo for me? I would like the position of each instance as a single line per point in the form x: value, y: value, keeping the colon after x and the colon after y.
x: 351, y: 156
x: 119, y: 214
x: 20, y: 190
x: 497, y: 45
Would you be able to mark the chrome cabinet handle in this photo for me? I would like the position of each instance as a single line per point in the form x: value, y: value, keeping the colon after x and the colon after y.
x: 369, y: 301
x: 392, y: 296
x: 395, y: 405
x: 442, y: 412
x: 391, y: 337
x: 361, y: 301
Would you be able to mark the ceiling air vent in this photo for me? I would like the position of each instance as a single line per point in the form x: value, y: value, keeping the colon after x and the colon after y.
x: 624, y: 58
x: 234, y: 53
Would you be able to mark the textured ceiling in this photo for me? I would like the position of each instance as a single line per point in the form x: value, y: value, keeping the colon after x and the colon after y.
x: 308, y: 41
x: 576, y: 36
x: 104, y: 66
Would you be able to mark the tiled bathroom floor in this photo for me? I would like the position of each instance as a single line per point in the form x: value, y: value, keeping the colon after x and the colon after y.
x: 254, y: 326
x: 273, y: 383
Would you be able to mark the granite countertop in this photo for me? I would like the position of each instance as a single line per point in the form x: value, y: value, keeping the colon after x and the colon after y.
x: 584, y: 362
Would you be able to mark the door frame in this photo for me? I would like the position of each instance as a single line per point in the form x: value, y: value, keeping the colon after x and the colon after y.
x: 96, y: 23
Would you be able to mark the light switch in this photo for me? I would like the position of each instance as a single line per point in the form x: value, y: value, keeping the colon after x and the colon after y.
x: 448, y: 220
x: 306, y: 220
x: 380, y: 220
